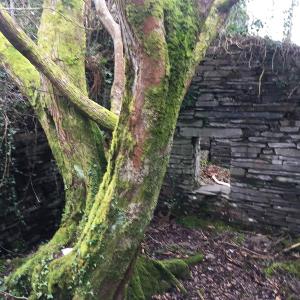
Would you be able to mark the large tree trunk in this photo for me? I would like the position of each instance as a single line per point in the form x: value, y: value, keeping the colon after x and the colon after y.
x: 164, y: 42
x: 75, y: 140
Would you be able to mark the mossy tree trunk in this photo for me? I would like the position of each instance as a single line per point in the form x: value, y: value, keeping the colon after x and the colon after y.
x: 104, y: 222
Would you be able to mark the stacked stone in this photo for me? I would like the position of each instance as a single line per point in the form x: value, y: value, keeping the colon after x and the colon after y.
x: 244, y: 106
x: 182, y: 164
x: 40, y: 194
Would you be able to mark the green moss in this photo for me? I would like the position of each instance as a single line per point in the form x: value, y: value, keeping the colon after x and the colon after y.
x: 292, y: 267
x: 154, y: 45
x: 180, y: 267
x: 137, y: 14
x: 149, y: 278
x: 21, y: 69
x: 70, y: 46
x: 155, y: 277
x: 194, y: 222
x: 31, y: 275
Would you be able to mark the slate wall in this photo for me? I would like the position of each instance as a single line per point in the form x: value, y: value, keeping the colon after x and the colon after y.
x: 34, y: 214
x: 244, y: 107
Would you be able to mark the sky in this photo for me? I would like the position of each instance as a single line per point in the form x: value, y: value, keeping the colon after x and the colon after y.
x: 273, y: 14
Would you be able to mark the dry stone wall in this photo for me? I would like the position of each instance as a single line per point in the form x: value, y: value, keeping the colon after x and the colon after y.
x: 34, y: 214
x: 243, y: 106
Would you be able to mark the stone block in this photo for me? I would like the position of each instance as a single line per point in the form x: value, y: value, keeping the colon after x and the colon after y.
x: 237, y: 171
x: 211, y: 132
x: 289, y: 129
x: 282, y: 145
x: 273, y: 134
x: 288, y: 152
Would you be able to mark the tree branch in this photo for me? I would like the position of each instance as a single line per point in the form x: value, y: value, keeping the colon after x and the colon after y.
x: 114, y: 30
x: 226, y: 5
x: 16, y: 36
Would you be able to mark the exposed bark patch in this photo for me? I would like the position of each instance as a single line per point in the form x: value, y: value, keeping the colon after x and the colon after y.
x: 151, y: 23
x: 151, y: 74
x: 57, y: 117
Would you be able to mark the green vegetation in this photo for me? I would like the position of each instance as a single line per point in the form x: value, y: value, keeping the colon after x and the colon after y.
x: 153, y: 277
x: 237, y: 23
x: 194, y: 222
x: 292, y: 267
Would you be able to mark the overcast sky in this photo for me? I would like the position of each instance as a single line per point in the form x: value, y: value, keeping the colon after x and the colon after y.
x: 273, y: 13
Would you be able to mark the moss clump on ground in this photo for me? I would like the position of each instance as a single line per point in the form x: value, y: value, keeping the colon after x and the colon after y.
x: 194, y: 222
x: 292, y: 267
x: 154, y: 277
x: 218, y: 226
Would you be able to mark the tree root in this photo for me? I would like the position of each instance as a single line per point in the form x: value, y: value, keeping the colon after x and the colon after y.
x: 27, y: 277
x: 154, y: 277
x: 43, y: 275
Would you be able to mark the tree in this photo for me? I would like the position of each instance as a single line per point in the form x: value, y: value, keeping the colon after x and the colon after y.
x: 237, y: 23
x: 288, y: 22
x: 109, y: 202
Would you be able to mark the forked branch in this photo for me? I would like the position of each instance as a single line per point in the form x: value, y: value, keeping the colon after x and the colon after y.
x: 114, y: 30
x: 18, y: 38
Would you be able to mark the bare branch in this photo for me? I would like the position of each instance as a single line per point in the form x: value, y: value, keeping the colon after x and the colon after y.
x: 5, y: 294
x: 114, y: 30
x: 16, y: 36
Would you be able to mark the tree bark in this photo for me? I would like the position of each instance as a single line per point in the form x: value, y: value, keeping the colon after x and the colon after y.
x: 118, y: 88
x: 75, y: 140
x: 165, y: 40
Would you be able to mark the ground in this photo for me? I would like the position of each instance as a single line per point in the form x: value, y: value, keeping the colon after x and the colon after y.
x: 235, y: 265
x: 238, y: 264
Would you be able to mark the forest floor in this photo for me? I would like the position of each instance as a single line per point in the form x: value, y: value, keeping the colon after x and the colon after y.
x: 237, y: 264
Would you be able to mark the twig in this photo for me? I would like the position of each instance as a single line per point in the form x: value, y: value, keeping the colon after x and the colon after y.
x: 12, y: 296
x: 8, y: 251
x: 36, y: 196
x: 219, y: 182
x: 273, y: 57
x: 297, y: 245
x: 259, y: 82
x: 250, y: 252
x: 49, y: 8
x: 280, y: 239
x: 292, y: 92
x: 236, y: 263
x: 200, y: 295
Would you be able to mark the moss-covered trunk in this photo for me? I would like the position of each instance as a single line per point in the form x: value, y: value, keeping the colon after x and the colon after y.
x: 164, y: 40
x: 75, y: 141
